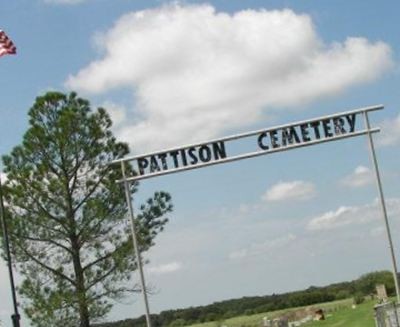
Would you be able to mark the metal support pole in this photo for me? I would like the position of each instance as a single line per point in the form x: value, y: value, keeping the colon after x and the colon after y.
x: 383, y: 205
x: 396, y: 314
x: 15, y: 317
x: 135, y: 244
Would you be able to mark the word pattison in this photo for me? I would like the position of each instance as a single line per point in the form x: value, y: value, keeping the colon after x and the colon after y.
x: 182, y: 157
x: 265, y: 141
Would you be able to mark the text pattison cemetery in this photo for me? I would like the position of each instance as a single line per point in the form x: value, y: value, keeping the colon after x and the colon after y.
x: 268, y: 140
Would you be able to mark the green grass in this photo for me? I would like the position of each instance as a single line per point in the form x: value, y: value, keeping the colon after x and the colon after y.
x: 340, y: 314
x: 362, y: 316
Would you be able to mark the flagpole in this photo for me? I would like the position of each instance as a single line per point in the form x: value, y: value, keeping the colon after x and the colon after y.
x: 15, y: 318
x: 7, y: 47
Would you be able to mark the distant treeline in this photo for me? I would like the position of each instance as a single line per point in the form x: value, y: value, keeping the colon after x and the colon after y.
x: 365, y: 285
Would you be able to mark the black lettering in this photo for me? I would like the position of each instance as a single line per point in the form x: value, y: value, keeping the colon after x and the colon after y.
x: 339, y: 125
x: 192, y: 156
x: 219, y: 150
x: 305, y: 133
x: 293, y: 135
x: 154, y: 165
x: 183, y: 156
x: 289, y: 136
x: 274, y: 138
x: 286, y: 137
x: 327, y: 127
x: 315, y: 125
x: 174, y: 155
x: 262, y: 136
x: 351, y: 119
x: 142, y: 164
x: 204, y: 153
x: 163, y: 158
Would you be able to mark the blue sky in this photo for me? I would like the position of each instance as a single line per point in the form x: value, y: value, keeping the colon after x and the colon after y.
x: 175, y: 73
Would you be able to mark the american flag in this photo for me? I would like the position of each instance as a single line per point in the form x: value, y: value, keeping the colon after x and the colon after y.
x: 6, y: 45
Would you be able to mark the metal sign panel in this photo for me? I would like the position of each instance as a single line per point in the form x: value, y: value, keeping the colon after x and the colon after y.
x: 266, y: 141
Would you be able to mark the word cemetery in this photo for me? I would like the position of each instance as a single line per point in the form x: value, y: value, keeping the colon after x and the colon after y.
x: 306, y: 132
x: 270, y: 140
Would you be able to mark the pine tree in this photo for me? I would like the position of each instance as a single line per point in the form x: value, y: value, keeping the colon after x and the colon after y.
x: 68, y: 230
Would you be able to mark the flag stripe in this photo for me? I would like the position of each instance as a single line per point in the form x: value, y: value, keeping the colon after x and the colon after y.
x: 6, y: 45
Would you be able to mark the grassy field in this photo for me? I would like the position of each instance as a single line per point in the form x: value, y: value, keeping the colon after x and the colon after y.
x: 362, y: 316
x: 340, y: 314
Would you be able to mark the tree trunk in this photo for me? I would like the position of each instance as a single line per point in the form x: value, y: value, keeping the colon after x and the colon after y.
x: 83, y: 305
x: 80, y: 286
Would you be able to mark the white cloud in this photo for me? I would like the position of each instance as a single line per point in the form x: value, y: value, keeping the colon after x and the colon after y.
x: 196, y: 72
x: 3, y: 177
x: 344, y: 216
x: 361, y: 176
x: 262, y: 248
x: 296, y: 190
x: 165, y: 268
x: 116, y: 112
x: 377, y: 231
x: 390, y: 132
